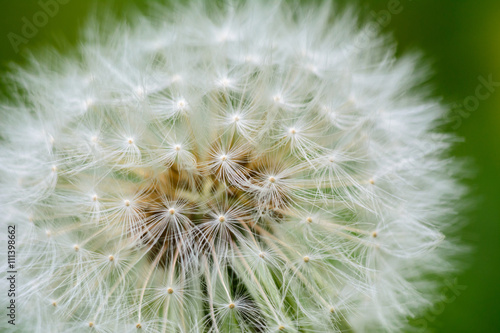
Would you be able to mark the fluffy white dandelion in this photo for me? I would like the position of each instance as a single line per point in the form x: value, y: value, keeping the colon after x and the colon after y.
x: 222, y: 169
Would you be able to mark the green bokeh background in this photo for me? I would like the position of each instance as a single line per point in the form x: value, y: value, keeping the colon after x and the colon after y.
x: 462, y: 38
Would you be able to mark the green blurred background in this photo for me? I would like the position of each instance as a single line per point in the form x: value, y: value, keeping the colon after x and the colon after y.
x: 462, y: 38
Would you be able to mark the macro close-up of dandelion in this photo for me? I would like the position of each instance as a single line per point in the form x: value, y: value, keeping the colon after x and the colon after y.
x: 240, y: 167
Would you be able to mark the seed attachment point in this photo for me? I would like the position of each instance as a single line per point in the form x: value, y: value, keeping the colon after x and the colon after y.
x: 181, y: 104
x: 176, y: 78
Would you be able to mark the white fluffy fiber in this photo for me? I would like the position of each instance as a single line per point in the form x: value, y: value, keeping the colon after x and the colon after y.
x: 253, y: 167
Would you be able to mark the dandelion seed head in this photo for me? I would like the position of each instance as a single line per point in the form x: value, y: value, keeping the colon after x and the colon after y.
x: 213, y: 168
